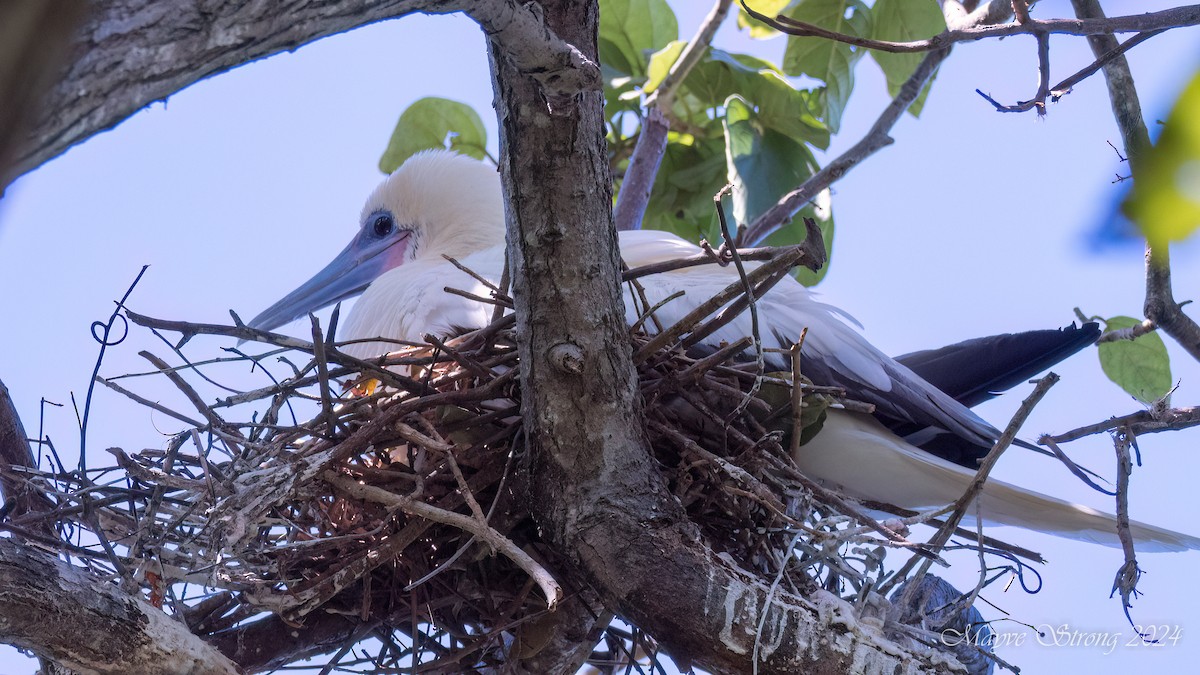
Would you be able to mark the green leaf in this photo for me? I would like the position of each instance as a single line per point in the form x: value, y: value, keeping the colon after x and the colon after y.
x: 660, y: 64
x: 434, y: 123
x: 759, y: 30
x: 1140, y: 367
x: 904, y: 21
x: 826, y: 60
x: 691, y: 173
x: 1165, y: 199
x: 779, y: 397
x: 631, y: 28
x: 764, y: 165
x: 781, y: 106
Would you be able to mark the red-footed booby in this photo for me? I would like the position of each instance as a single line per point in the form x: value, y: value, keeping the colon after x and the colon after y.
x: 441, y: 204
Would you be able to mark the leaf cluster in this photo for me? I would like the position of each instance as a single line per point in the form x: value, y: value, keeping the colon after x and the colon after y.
x: 735, y: 118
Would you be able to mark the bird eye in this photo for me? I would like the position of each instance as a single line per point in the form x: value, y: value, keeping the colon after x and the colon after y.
x: 383, y: 225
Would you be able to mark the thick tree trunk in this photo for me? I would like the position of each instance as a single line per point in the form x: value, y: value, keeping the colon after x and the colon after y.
x: 596, y: 491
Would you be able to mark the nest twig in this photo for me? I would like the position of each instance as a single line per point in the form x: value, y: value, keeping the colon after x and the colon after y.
x: 400, y: 500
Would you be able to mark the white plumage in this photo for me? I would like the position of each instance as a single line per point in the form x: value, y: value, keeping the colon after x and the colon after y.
x: 441, y: 204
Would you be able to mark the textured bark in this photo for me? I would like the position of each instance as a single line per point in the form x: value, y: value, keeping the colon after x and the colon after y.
x: 34, y: 39
x: 130, y: 53
x: 15, y: 452
x: 90, y: 625
x: 596, y: 492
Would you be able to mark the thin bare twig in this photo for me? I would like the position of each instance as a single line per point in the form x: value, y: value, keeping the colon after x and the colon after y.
x: 1128, y: 574
x: 1177, y: 17
x: 964, y: 502
x: 494, y: 539
x: 875, y: 139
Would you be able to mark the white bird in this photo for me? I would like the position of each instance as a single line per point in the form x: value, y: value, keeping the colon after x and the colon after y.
x: 442, y: 204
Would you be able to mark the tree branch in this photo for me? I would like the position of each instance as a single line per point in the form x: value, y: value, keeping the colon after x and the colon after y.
x: 1160, y: 304
x: 876, y: 139
x: 96, y: 627
x: 1177, y: 17
x: 19, y: 495
x: 130, y: 53
x: 652, y: 142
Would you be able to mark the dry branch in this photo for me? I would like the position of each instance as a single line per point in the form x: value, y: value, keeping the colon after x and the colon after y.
x: 131, y: 53
x: 96, y: 627
x: 1176, y: 17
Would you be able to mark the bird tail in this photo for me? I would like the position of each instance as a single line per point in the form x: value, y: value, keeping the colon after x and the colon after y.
x: 857, y: 454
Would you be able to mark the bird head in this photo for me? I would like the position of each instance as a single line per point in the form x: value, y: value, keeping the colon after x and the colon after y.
x: 437, y: 203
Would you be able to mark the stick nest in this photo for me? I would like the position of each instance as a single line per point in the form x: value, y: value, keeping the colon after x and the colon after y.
x: 401, y: 501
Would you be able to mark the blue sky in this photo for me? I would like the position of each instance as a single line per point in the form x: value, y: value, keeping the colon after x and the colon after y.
x: 240, y: 187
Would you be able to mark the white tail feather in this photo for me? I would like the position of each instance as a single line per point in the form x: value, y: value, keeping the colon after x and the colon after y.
x: 858, y: 455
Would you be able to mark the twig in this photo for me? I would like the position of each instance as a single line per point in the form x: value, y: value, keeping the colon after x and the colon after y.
x: 814, y: 258
x: 322, y: 375
x: 497, y: 541
x: 477, y: 277
x: 1039, y: 100
x: 153, y: 405
x: 104, y: 339
x: 188, y: 330
x: 1063, y: 88
x: 750, y: 297
x: 1128, y: 574
x: 1140, y: 423
x: 875, y: 139
x: 797, y: 393
x: 214, y: 420
x: 964, y: 502
x: 1131, y: 333
x: 785, y: 262
x: 1177, y: 17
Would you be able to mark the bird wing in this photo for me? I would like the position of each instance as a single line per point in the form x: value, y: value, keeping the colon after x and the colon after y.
x: 834, y: 353
x: 857, y: 454
x: 977, y: 370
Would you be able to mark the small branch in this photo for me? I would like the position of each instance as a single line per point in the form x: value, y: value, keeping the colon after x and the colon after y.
x: 494, y: 539
x: 1063, y: 88
x: 985, y: 468
x: 1038, y: 102
x: 814, y: 257
x: 876, y: 139
x: 1131, y: 333
x: 652, y: 141
x: 1140, y: 423
x: 1127, y: 576
x: 1160, y: 305
x: 188, y: 330
x: 1177, y: 17
x: 735, y: 289
x: 634, y: 196
x: 663, y: 96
